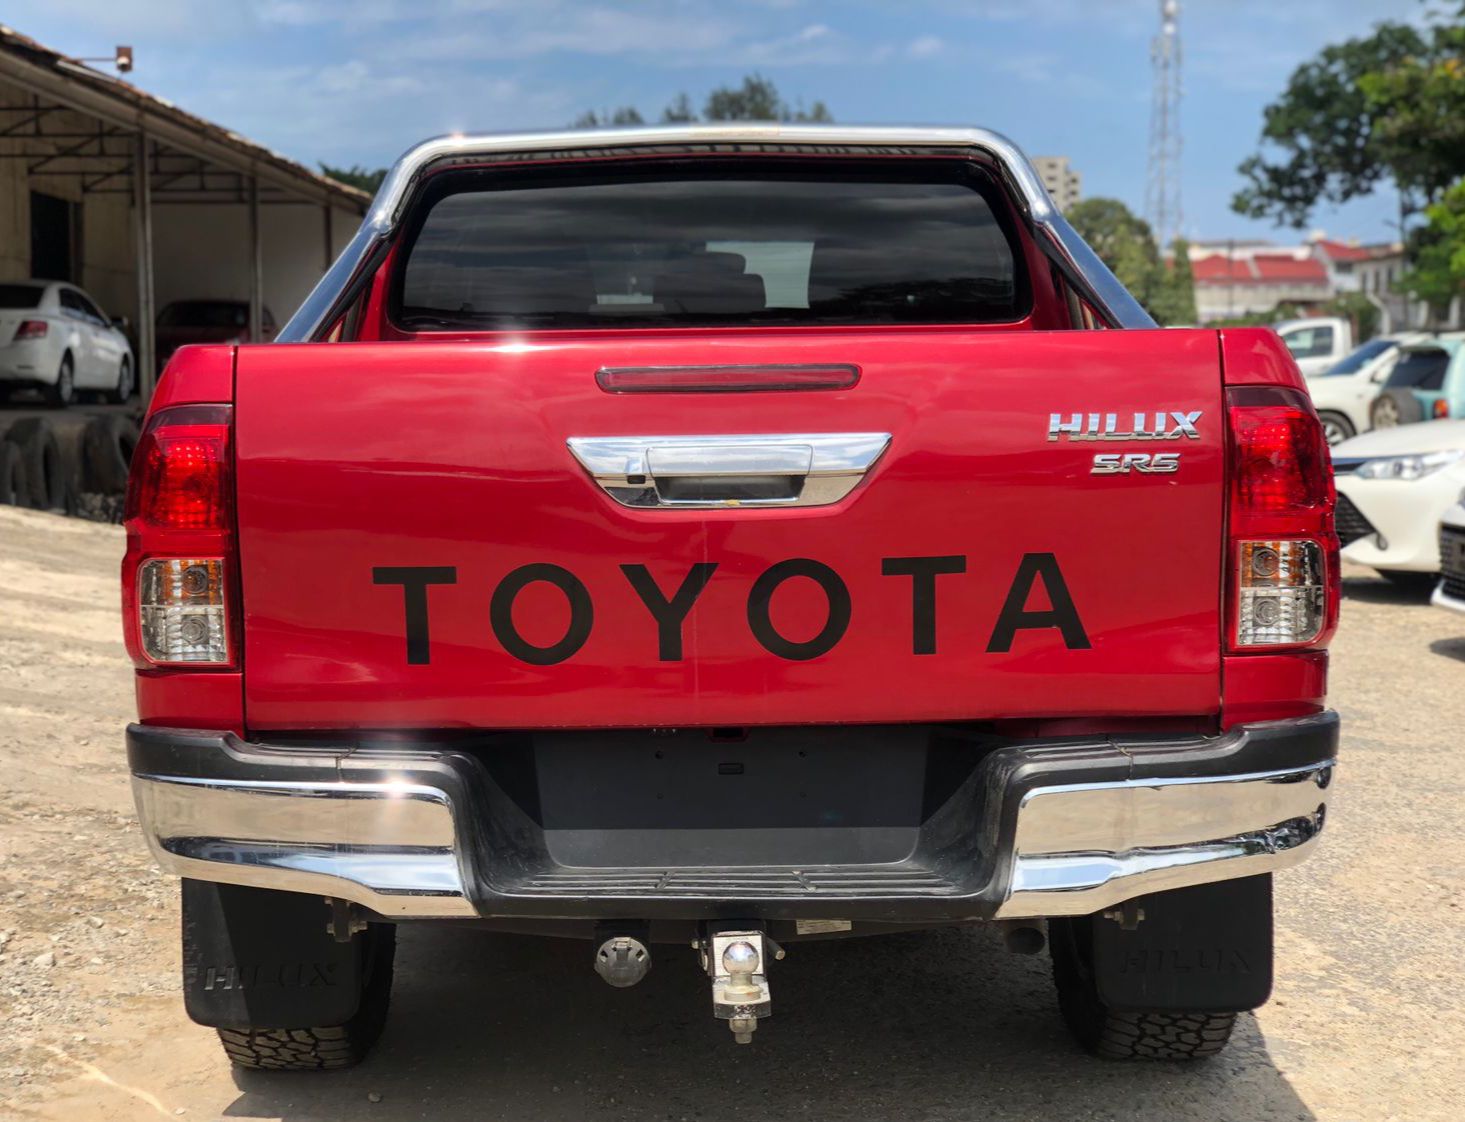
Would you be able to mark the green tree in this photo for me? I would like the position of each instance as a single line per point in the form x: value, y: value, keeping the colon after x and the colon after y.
x: 1386, y: 107
x: 1174, y: 298
x: 1438, y: 274
x: 356, y: 176
x: 624, y: 115
x: 1125, y: 243
x: 756, y: 99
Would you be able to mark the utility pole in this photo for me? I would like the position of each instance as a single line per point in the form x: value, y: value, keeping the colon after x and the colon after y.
x: 1162, y: 187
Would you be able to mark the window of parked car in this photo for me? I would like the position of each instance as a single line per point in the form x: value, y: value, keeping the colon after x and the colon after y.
x: 210, y: 313
x: 1360, y: 357
x: 90, y: 310
x: 1310, y: 342
x: 1419, y: 370
x: 20, y: 295
x: 710, y: 244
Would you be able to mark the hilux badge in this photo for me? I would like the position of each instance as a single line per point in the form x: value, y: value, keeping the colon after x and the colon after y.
x: 1163, y: 424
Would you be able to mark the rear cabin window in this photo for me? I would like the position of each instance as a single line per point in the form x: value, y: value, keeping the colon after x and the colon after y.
x: 710, y: 249
x: 20, y: 295
x: 1419, y: 370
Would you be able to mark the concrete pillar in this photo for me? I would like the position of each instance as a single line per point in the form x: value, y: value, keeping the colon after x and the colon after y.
x: 142, y: 214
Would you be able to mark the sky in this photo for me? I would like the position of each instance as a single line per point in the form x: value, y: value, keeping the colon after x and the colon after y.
x: 358, y: 81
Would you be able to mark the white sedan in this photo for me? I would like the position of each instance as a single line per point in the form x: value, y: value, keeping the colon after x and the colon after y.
x: 1343, y: 392
x: 53, y: 336
x: 1393, y: 487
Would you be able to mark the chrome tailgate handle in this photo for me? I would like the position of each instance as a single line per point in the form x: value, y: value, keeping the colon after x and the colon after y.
x: 757, y: 470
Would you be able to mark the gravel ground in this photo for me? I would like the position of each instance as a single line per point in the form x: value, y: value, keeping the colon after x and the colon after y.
x: 1366, y: 1022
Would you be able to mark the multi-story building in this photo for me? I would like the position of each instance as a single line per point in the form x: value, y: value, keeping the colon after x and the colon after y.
x: 1063, y: 183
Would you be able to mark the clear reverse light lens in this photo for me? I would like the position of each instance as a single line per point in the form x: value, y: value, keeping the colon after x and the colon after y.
x: 181, y: 605
x: 1283, y: 594
x: 1408, y: 467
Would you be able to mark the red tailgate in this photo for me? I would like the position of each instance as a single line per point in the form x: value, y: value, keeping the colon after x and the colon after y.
x: 362, y: 464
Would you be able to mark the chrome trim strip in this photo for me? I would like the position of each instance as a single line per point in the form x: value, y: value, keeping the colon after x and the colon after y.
x: 820, y: 468
x: 1084, y: 847
x: 1055, y: 237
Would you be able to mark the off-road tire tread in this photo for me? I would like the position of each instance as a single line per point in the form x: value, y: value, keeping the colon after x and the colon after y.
x: 1163, y: 1036
x: 322, y: 1048
x: 1114, y: 1035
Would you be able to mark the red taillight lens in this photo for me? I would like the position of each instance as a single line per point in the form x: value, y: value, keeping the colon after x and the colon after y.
x: 1440, y: 409
x: 180, y: 471
x: 178, y: 578
x: 1283, y: 552
x: 31, y: 329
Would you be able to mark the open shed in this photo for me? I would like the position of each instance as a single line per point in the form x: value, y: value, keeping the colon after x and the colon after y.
x: 142, y: 203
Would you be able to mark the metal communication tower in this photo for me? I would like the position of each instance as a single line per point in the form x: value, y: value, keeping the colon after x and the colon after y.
x: 1162, y: 190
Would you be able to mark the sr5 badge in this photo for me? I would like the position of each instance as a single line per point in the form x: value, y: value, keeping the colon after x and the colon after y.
x: 1147, y: 463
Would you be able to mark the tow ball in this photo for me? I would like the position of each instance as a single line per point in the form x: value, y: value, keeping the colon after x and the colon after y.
x: 737, y: 963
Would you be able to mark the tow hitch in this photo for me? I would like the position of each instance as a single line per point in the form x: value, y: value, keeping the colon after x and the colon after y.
x: 737, y: 963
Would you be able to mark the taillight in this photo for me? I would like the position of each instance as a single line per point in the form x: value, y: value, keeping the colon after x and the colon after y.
x: 1440, y: 410
x: 179, y: 583
x: 1283, y: 550
x: 31, y: 329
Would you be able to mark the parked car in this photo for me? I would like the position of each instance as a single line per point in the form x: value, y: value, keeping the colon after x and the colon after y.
x: 537, y: 593
x: 1427, y: 383
x: 206, y: 321
x: 1393, y: 486
x: 1317, y: 342
x: 1343, y: 392
x: 53, y: 336
x: 1450, y: 592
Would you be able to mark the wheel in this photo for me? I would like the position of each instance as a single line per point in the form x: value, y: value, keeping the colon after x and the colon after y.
x: 43, y: 468
x: 1415, y: 584
x: 1336, y: 427
x: 14, y: 490
x: 62, y: 392
x: 1114, y: 1035
x: 119, y: 394
x: 325, y: 1047
x: 1393, y: 408
x: 107, y: 444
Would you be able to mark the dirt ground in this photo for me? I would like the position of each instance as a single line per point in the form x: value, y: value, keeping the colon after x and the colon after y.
x: 1366, y: 1021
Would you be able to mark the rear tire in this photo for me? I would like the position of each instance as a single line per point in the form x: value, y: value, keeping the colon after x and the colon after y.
x: 1114, y: 1035
x: 119, y: 393
x: 62, y: 392
x: 1393, y: 408
x: 325, y: 1047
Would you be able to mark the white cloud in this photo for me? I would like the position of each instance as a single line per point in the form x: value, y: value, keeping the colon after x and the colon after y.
x: 925, y: 46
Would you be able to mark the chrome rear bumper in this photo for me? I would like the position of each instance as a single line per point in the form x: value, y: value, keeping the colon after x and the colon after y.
x: 1036, y: 830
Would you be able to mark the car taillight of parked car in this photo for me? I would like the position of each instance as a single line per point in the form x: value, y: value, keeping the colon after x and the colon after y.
x: 1440, y: 410
x: 31, y: 329
x: 1284, y: 576
x: 180, y: 587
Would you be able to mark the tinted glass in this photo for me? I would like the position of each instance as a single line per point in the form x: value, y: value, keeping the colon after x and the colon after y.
x: 205, y: 313
x: 20, y: 295
x: 71, y: 302
x: 1360, y: 357
x: 1419, y: 370
x: 90, y: 309
x: 710, y: 250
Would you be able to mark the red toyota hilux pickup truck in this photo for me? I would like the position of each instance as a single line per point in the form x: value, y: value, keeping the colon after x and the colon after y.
x: 732, y: 536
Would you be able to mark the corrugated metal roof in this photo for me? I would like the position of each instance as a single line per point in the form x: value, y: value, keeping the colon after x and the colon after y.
x: 128, y: 96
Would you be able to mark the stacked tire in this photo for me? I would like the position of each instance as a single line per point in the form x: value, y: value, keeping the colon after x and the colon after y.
x: 67, y: 468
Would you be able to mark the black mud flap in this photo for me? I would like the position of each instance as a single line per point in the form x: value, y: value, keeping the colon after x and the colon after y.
x: 254, y: 958
x: 1206, y: 949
